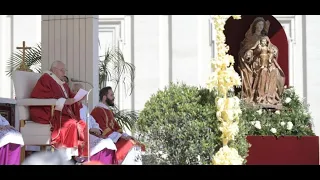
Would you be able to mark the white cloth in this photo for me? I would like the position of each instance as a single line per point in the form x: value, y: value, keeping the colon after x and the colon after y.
x: 96, y: 144
x: 83, y: 116
x: 9, y: 134
x: 48, y: 158
x: 134, y: 156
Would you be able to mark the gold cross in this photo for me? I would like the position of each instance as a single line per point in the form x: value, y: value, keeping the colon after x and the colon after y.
x: 23, y: 66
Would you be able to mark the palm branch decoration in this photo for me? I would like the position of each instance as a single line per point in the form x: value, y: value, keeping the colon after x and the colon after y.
x: 125, y: 118
x: 32, y: 60
x: 112, y: 68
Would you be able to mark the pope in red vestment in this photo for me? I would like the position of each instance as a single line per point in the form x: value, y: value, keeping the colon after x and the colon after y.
x: 68, y: 130
x: 105, y: 118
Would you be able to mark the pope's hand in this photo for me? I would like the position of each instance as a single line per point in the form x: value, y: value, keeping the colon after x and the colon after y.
x: 95, y: 131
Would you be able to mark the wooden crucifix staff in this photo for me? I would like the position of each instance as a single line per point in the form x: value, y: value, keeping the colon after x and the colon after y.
x: 23, y: 66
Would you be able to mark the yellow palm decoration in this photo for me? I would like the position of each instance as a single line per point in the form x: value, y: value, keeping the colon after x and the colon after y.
x: 223, y: 79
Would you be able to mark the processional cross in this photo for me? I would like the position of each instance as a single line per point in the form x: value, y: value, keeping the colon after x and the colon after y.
x: 23, y: 66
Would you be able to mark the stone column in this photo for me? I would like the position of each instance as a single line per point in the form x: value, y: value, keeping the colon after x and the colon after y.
x: 73, y: 39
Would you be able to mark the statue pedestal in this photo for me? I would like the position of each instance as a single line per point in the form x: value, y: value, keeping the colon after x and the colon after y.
x: 285, y: 150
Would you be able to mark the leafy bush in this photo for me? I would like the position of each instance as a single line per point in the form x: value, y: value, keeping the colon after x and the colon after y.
x: 179, y: 126
x: 292, y: 120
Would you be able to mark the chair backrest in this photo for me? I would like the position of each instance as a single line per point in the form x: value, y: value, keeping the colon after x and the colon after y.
x: 24, y: 83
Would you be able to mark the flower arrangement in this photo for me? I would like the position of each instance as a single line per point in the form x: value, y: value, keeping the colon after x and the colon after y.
x: 223, y: 79
x: 293, y: 119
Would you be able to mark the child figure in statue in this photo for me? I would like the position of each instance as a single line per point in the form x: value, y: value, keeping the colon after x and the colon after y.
x: 265, y: 53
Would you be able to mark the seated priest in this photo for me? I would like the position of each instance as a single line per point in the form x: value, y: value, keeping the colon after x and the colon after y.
x: 128, y: 149
x: 68, y: 130
x: 101, y: 150
x: 10, y: 143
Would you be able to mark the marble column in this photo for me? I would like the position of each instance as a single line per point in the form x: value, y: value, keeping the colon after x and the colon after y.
x: 73, y: 39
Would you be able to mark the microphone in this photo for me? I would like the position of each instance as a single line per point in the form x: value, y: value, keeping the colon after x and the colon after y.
x: 76, y: 80
x: 87, y: 113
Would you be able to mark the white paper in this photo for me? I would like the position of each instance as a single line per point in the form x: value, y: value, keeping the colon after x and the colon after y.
x: 80, y: 94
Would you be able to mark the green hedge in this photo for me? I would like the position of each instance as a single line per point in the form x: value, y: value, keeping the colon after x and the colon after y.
x: 179, y: 126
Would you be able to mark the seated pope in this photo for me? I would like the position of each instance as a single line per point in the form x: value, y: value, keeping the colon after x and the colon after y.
x: 101, y: 149
x: 128, y: 149
x: 68, y: 131
x: 11, y: 142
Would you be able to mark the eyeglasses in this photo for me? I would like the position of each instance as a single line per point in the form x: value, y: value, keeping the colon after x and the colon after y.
x: 62, y: 70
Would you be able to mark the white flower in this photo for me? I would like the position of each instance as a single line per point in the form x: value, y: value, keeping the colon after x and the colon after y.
x: 259, y: 111
x: 273, y: 130
x: 287, y: 100
x: 199, y: 159
x: 289, y: 125
x: 257, y: 125
x: 277, y: 112
x: 282, y: 123
x: 163, y: 155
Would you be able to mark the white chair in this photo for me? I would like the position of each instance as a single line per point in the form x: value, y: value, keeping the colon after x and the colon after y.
x: 34, y: 134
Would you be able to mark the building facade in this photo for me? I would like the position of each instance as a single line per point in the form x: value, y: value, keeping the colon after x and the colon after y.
x: 163, y: 48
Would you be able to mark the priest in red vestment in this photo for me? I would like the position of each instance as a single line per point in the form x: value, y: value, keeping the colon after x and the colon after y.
x: 68, y: 130
x: 128, y: 149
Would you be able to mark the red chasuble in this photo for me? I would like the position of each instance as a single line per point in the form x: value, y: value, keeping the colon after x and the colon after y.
x: 68, y: 130
x: 105, y: 118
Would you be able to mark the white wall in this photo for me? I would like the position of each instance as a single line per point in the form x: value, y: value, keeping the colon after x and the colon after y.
x: 168, y: 48
x: 13, y: 30
x: 311, y: 29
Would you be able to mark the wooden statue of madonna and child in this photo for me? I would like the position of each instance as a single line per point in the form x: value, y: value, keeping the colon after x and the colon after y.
x: 262, y: 78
